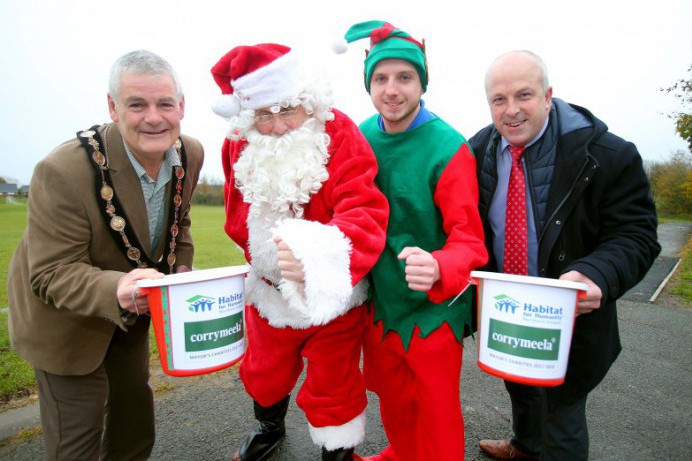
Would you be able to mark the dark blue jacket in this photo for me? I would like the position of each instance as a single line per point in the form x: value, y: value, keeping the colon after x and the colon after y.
x: 594, y: 214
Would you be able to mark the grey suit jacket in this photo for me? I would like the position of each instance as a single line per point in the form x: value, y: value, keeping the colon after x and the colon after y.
x: 63, y: 276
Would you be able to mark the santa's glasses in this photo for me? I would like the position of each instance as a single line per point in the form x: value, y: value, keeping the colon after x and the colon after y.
x: 266, y: 117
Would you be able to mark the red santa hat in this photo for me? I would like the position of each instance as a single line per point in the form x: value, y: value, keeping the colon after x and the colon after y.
x: 256, y: 76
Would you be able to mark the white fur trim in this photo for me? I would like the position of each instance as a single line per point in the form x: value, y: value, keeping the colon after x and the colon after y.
x: 345, y: 436
x: 280, y: 80
x: 273, y: 303
x: 340, y: 46
x: 324, y: 252
x: 272, y: 306
x: 226, y: 106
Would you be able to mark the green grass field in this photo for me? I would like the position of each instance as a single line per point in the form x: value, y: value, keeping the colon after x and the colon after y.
x: 13, y: 218
x: 213, y: 248
x: 15, y: 374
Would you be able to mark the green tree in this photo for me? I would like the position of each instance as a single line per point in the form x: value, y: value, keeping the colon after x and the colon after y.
x: 209, y: 191
x: 682, y: 90
x: 671, y: 184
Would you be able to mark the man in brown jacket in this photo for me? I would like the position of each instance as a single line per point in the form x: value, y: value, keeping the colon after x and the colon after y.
x: 107, y: 208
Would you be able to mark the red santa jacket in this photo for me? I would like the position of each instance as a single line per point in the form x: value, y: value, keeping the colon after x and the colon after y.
x: 338, y: 239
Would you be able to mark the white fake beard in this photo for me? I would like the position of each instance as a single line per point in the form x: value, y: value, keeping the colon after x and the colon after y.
x: 282, y: 172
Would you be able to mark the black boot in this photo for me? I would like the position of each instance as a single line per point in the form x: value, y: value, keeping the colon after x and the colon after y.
x: 258, y: 445
x: 340, y: 454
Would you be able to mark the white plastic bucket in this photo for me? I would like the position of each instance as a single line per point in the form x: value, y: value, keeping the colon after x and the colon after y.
x: 525, y: 326
x: 198, y: 319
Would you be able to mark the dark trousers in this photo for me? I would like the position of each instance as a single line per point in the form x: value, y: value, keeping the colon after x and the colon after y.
x: 107, y: 414
x: 546, y: 427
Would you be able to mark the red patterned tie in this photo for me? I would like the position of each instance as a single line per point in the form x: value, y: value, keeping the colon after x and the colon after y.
x: 515, y: 218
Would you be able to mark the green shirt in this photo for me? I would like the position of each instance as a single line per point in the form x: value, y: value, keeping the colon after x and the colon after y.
x: 410, y: 164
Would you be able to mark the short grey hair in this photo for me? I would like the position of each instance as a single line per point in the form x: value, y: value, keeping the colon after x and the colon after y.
x: 140, y: 62
x: 541, y: 65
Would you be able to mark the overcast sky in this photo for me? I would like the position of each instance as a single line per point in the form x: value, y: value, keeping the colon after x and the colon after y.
x: 610, y: 56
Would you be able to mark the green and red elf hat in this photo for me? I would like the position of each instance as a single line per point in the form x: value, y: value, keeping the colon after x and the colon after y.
x: 386, y: 42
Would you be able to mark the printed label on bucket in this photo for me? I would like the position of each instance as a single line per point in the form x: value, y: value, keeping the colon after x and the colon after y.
x: 521, y: 341
x: 525, y: 330
x: 205, y: 323
x: 210, y: 334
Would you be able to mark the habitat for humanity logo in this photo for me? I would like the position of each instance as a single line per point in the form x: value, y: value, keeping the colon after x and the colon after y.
x: 504, y: 303
x: 200, y: 303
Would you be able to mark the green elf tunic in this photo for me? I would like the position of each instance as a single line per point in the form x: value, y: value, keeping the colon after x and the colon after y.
x: 428, y: 174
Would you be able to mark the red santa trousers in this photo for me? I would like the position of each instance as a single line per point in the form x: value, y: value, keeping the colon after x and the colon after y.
x: 333, y: 392
x: 418, y: 391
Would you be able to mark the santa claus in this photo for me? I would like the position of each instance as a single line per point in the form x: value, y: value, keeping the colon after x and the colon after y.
x: 301, y: 202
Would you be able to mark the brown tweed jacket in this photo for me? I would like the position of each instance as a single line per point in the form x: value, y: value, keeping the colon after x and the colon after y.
x: 63, y: 276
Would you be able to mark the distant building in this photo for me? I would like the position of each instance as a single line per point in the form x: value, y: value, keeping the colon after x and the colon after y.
x: 23, y: 191
x: 8, y: 190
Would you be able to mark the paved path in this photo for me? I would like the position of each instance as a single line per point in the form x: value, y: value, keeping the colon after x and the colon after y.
x: 673, y: 237
x: 641, y: 411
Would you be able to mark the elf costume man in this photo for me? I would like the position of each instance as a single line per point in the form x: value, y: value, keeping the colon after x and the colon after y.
x: 413, y: 341
x: 302, y: 203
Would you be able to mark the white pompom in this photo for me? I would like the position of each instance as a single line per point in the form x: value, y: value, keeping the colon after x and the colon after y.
x: 226, y: 106
x: 340, y: 46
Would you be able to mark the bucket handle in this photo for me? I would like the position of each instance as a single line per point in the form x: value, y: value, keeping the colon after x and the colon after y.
x: 468, y: 284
